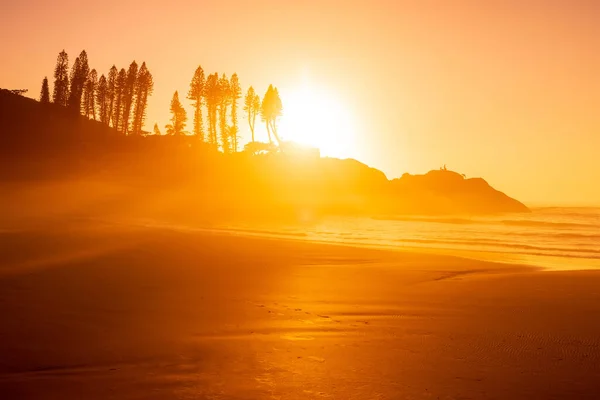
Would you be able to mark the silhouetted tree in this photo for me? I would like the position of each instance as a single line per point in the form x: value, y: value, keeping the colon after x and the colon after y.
x: 79, y: 75
x: 264, y: 111
x: 276, y: 112
x: 75, y: 72
x: 156, y: 130
x: 102, y: 100
x: 89, y: 95
x: 128, y: 93
x: 235, y: 93
x: 259, y: 147
x: 179, y: 118
x: 211, y: 92
x: 60, y: 93
x: 143, y: 88
x: 121, y: 82
x: 233, y: 135
x: 196, y: 94
x: 271, y: 109
x: 224, y: 101
x: 19, y: 92
x: 252, y: 108
x: 111, y: 86
x: 45, y: 92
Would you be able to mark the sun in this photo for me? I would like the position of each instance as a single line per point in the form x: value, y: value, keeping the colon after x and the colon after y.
x: 314, y: 117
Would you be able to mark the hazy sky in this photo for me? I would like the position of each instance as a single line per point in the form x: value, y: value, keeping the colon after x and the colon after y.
x: 508, y: 90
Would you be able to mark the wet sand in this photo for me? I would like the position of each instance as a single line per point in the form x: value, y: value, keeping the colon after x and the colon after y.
x: 127, y: 313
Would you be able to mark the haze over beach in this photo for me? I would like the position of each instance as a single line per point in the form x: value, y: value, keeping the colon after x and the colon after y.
x: 506, y: 90
x: 300, y: 200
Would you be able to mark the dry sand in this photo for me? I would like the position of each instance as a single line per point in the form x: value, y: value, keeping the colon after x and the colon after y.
x: 121, y: 313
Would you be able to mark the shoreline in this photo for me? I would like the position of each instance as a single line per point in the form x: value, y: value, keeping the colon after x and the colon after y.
x: 129, y: 313
x: 518, y: 259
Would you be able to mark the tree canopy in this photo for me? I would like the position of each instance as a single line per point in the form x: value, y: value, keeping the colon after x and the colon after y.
x: 178, y: 119
x: 119, y: 99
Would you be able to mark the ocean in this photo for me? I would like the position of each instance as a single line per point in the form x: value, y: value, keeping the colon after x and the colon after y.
x: 551, y: 237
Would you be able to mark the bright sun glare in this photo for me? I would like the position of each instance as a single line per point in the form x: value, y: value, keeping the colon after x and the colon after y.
x: 316, y: 118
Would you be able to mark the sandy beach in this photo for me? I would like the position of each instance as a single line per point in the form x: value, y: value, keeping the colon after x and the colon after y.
x: 106, y: 312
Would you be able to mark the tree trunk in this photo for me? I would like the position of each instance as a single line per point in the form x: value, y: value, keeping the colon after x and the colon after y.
x: 274, y: 128
x: 269, y: 132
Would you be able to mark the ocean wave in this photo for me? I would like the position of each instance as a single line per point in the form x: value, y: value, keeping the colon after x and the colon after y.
x: 265, y: 232
x: 441, y: 220
x: 555, y: 235
x: 507, y: 222
x: 547, y: 224
x: 563, y: 251
x: 578, y: 212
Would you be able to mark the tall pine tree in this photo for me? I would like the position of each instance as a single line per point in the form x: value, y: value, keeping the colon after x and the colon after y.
x: 79, y: 75
x: 178, y: 119
x: 45, y: 92
x: 120, y: 84
x: 252, y: 108
x: 102, y: 100
x: 73, y: 83
x: 211, y: 92
x: 128, y: 94
x: 224, y: 100
x: 60, y: 94
x: 89, y: 95
x: 235, y: 93
x: 143, y: 88
x: 111, y: 84
x: 196, y: 94
x: 270, y: 109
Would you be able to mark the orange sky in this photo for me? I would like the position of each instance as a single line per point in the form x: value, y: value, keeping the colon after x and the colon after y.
x: 508, y: 90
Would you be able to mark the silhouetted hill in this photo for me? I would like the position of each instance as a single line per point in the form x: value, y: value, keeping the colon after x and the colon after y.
x: 447, y: 192
x: 182, y: 176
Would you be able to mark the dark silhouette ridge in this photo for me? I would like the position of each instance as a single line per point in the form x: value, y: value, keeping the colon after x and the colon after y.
x: 18, y: 92
x: 448, y: 192
x: 48, y: 142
